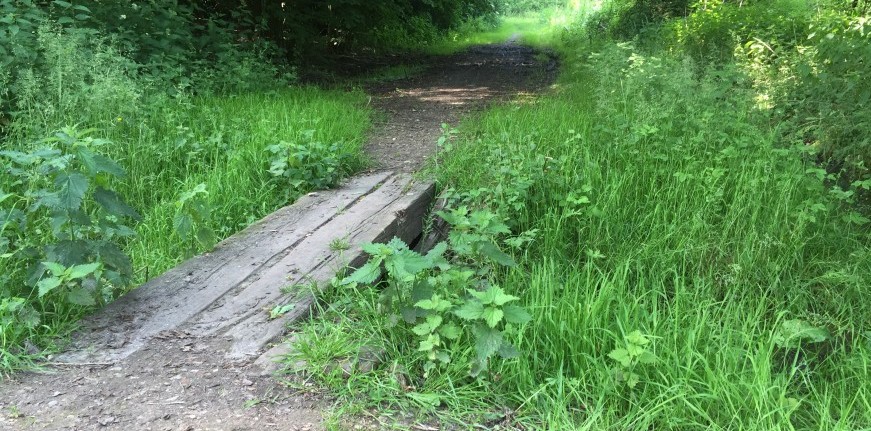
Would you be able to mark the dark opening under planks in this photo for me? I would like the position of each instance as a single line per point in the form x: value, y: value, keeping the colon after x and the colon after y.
x: 227, y: 294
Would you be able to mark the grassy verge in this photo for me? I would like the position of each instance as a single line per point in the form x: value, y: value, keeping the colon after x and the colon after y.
x: 687, y: 268
x: 195, y: 169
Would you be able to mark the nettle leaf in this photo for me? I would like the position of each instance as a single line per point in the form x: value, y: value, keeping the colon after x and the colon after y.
x: 487, y: 341
x: 435, y: 303
x: 183, y: 224
x: 81, y: 296
x: 647, y: 358
x: 73, y: 188
x: 430, y: 343
x: 450, y: 331
x: 501, y: 297
x: 410, y: 314
x: 508, y: 351
x: 376, y: 249
x: 492, y: 316
x: 112, y: 256
x: 414, y: 263
x: 437, y: 251
x: 206, y: 236
x: 429, y: 326
x: 82, y: 271
x: 516, y: 315
x: 637, y: 338
x: 421, y: 290
x: 96, y: 163
x: 56, y: 269
x: 366, y: 274
x: 493, y: 295
x: 621, y: 356
x: 470, y: 310
x: 492, y: 251
x: 112, y: 203
x: 46, y: 285
x: 634, y: 350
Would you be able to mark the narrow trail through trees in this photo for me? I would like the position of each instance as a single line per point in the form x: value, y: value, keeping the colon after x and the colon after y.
x: 180, y: 379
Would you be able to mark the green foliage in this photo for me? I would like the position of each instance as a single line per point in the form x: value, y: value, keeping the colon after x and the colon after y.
x: 193, y: 219
x: 633, y: 354
x: 449, y: 304
x: 668, y: 200
x: 62, y: 233
x: 307, y: 164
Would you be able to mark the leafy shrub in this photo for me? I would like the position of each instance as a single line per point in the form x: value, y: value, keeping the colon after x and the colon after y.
x: 62, y: 231
x: 307, y: 164
x: 712, y: 33
x: 834, y: 93
x: 449, y: 302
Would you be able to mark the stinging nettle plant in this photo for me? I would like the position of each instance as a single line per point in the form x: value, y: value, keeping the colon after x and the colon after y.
x: 62, y: 226
x: 445, y: 297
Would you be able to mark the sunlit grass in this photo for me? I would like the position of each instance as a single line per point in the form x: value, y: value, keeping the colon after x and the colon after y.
x: 667, y: 205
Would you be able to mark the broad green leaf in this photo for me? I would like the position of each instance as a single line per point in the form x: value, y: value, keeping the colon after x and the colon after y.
x: 508, y: 351
x: 63, y: 4
x: 443, y: 357
x: 792, y: 333
x: 96, y: 163
x: 113, y: 257
x: 492, y: 316
x: 427, y: 327
x: 414, y: 263
x: 375, y: 249
x: 430, y: 343
x: 46, y: 285
x: 437, y: 251
x: 73, y: 188
x: 113, y: 204
x: 637, y: 338
x: 206, y: 237
x: 516, y: 315
x: 634, y: 350
x: 183, y: 224
x: 647, y: 358
x: 435, y: 303
x: 81, y: 296
x: 501, y: 297
x: 632, y: 380
x: 366, y: 274
x: 492, y: 251
x: 470, y: 310
x: 450, y: 331
x: 621, y: 356
x: 82, y: 271
x: 421, y: 290
x: 487, y: 341
x: 56, y: 269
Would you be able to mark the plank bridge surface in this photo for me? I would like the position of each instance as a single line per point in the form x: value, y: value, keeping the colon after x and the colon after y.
x: 225, y: 295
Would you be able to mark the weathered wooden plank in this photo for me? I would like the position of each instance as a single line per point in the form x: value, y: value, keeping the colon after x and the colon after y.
x: 167, y: 301
x: 391, y: 213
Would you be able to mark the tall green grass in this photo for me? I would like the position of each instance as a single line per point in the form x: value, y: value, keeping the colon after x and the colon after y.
x: 669, y: 207
x: 661, y: 199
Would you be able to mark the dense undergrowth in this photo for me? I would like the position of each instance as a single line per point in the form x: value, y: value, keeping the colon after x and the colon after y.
x: 124, y: 152
x: 687, y: 219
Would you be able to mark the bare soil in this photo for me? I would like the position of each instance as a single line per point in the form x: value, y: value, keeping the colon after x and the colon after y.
x: 177, y: 382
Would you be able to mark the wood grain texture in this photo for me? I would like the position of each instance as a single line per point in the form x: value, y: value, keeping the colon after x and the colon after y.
x: 227, y: 293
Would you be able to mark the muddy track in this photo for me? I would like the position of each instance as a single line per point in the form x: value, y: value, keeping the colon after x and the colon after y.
x: 177, y: 382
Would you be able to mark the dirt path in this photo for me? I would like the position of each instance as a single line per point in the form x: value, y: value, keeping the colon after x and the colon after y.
x: 177, y: 382
x: 449, y: 89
